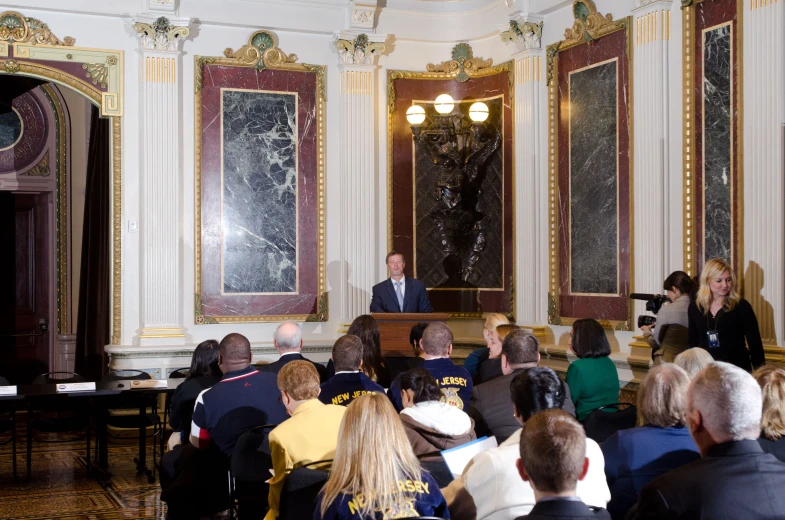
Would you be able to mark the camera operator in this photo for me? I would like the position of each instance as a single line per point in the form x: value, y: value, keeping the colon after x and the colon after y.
x: 669, y: 336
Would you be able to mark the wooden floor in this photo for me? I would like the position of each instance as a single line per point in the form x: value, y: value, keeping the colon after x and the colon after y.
x: 59, y: 487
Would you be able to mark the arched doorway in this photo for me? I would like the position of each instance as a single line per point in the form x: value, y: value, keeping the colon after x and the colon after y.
x: 35, y: 63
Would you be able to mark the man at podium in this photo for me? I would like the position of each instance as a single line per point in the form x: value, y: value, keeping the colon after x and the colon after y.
x: 399, y: 293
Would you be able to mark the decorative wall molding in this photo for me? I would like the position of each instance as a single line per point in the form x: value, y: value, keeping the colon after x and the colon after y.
x: 589, y: 24
x: 160, y: 35
x: 41, y: 169
x: 523, y: 35
x: 362, y: 50
x: 362, y: 15
x: 463, y: 63
x: 16, y: 28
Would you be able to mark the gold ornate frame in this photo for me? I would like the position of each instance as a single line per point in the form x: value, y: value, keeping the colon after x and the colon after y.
x: 31, y: 40
x: 689, y: 145
x: 262, y: 52
x: 462, y: 67
x: 594, y: 26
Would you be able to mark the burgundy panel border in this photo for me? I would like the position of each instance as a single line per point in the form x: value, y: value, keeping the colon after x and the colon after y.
x: 212, y: 306
x: 706, y: 15
x: 605, y: 308
x: 401, y: 201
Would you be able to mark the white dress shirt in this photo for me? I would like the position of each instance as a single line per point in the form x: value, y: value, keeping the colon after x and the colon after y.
x: 403, y: 285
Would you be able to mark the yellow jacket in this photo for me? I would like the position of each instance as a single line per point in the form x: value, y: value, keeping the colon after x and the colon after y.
x: 309, y: 435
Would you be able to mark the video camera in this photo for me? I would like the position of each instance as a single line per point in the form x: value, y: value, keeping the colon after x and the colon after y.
x: 653, y: 304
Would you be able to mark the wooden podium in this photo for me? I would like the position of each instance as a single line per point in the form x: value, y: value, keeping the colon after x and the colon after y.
x: 394, y: 329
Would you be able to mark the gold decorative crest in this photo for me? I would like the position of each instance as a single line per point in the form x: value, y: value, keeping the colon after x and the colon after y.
x: 15, y: 28
x: 463, y: 63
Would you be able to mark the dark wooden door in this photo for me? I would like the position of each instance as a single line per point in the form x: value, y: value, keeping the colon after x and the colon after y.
x: 24, y: 285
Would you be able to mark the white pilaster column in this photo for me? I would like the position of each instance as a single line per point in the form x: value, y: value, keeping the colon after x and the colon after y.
x: 531, y: 171
x: 160, y: 66
x: 359, y: 175
x: 651, y: 161
x: 763, y: 142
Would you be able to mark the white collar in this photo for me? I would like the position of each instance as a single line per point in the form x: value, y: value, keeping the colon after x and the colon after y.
x: 403, y: 279
x: 348, y: 372
x: 288, y: 353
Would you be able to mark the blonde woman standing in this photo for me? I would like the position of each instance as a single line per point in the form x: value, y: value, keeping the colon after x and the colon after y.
x: 721, y: 320
x: 375, y: 474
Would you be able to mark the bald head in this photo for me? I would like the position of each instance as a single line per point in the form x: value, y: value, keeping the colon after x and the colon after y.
x: 234, y: 352
x: 288, y: 337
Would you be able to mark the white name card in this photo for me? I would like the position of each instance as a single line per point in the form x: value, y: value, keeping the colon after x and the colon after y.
x: 7, y: 390
x: 149, y: 383
x: 76, y: 387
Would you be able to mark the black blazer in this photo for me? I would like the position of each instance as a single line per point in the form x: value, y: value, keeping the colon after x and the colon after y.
x: 740, y: 342
x: 776, y: 448
x: 415, y: 298
x: 276, y: 366
x: 733, y: 480
x: 565, y: 510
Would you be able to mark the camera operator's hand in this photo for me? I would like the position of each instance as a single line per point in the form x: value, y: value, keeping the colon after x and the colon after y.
x: 647, y: 328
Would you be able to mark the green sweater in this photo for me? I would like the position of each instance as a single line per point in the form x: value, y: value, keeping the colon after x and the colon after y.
x: 593, y: 382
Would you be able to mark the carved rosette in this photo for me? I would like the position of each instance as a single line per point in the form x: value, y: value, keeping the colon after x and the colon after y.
x: 161, y: 35
x: 15, y: 28
x: 359, y: 51
x: 463, y: 63
x: 524, y: 35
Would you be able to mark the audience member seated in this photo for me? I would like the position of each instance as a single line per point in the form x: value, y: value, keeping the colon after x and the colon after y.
x: 473, y: 360
x: 592, y: 378
x: 553, y: 461
x: 309, y: 435
x: 490, y: 487
x: 415, y: 335
x: 288, y: 341
x: 636, y: 456
x: 203, y: 374
x: 430, y: 424
x: 772, y: 426
x: 693, y: 360
x: 375, y: 367
x: 374, y: 456
x: 735, y: 478
x: 349, y: 382
x: 492, y: 368
x: 243, y: 399
x: 454, y: 381
x: 520, y: 352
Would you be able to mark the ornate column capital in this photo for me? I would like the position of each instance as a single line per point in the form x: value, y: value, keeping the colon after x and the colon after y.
x: 524, y: 34
x: 161, y: 33
x: 359, y: 49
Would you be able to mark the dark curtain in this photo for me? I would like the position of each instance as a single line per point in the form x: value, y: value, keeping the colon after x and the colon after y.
x: 92, y: 329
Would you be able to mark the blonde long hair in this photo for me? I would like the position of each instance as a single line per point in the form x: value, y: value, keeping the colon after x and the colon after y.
x: 373, y: 454
x: 712, y: 269
x: 772, y: 384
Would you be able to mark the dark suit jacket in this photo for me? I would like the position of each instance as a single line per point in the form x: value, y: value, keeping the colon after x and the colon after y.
x: 415, y: 298
x: 493, y: 402
x: 776, y: 448
x: 565, y: 510
x: 276, y: 366
x: 733, y: 480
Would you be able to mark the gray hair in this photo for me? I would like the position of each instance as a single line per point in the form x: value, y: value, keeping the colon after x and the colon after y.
x: 729, y: 400
x: 693, y: 360
x: 288, y: 336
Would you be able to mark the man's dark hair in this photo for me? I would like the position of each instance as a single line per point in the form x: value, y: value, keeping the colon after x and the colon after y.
x: 422, y: 383
x: 436, y: 339
x: 235, y: 347
x: 521, y: 347
x: 415, y: 335
x: 347, y: 353
x: 535, y: 390
x: 553, y: 451
x: 394, y: 253
x: 589, y: 339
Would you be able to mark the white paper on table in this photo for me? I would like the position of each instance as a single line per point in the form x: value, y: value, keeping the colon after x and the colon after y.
x: 7, y: 390
x: 459, y: 457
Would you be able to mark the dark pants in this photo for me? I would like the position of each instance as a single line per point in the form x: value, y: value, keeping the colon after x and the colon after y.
x: 194, y: 482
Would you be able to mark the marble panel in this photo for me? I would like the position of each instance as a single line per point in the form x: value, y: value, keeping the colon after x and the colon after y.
x: 717, y: 142
x: 259, y: 210
x: 10, y: 126
x: 594, y: 180
x: 432, y: 261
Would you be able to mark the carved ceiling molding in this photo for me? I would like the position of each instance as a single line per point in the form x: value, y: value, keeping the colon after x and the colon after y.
x: 463, y: 63
x: 16, y: 28
x: 524, y: 35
